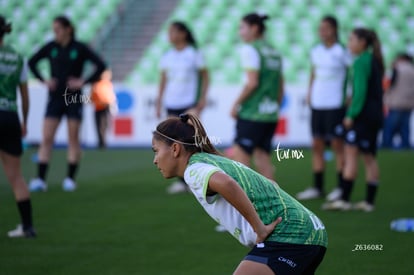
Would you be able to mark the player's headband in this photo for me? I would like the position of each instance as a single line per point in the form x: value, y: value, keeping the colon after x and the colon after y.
x: 173, y: 139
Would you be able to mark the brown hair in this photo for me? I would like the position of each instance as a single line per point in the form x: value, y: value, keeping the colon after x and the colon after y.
x: 186, y: 130
x: 371, y: 39
x: 5, y: 27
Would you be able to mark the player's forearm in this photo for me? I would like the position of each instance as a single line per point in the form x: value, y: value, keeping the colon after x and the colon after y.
x: 205, y: 83
x: 281, y: 90
x: 246, y: 93
x: 25, y: 102
x: 235, y: 195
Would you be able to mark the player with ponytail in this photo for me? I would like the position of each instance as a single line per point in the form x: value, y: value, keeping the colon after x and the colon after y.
x: 251, y: 207
x: 363, y: 119
x: 13, y: 74
x: 257, y: 106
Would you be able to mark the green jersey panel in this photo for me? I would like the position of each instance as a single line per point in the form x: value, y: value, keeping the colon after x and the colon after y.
x: 262, y: 104
x: 11, y: 64
x: 299, y: 225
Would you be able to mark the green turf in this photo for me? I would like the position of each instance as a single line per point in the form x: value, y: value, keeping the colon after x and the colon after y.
x: 121, y: 221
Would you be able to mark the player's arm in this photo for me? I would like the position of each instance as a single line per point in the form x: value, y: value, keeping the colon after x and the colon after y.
x: 161, y: 88
x: 251, y: 85
x: 24, y: 94
x: 281, y: 90
x: 229, y: 189
x: 205, y: 82
x: 311, y: 79
x: 359, y: 89
x: 100, y: 66
x: 42, y: 53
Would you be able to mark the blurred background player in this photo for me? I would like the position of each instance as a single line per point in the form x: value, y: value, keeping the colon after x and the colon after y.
x: 184, y: 80
x: 104, y: 99
x: 326, y: 97
x: 256, y: 108
x: 364, y: 118
x: 399, y: 100
x: 13, y: 74
x: 253, y: 208
x: 67, y: 58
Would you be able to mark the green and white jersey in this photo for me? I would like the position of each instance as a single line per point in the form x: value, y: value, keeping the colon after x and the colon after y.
x: 13, y: 71
x: 262, y: 104
x: 299, y: 225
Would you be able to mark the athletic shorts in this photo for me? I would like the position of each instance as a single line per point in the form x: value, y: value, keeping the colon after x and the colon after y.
x: 177, y: 112
x: 363, y: 136
x: 327, y: 124
x: 254, y: 134
x: 70, y: 107
x: 11, y: 133
x: 284, y: 258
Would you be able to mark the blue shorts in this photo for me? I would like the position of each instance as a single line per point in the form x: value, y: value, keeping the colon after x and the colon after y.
x: 285, y: 258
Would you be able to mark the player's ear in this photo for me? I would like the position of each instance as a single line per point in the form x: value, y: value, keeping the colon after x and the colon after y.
x: 176, y: 149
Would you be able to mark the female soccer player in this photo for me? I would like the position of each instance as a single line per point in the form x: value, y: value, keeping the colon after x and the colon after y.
x: 364, y: 118
x: 13, y: 73
x: 286, y: 238
x: 67, y: 58
x: 184, y: 80
x: 326, y: 97
x: 256, y: 108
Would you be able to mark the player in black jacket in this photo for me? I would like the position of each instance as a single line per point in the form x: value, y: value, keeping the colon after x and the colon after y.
x: 67, y: 58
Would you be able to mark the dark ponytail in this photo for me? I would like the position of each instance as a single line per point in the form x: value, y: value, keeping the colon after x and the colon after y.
x: 254, y: 19
x: 371, y: 39
x: 333, y: 22
x: 186, y: 130
x: 5, y: 27
x: 189, y: 37
x: 65, y: 22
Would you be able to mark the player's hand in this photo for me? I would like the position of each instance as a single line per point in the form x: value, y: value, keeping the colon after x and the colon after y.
x: 235, y: 111
x: 51, y: 84
x: 24, y: 130
x: 75, y: 83
x: 266, y: 230
x: 348, y: 122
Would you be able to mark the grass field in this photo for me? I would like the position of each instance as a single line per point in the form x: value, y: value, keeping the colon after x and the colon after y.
x: 121, y: 221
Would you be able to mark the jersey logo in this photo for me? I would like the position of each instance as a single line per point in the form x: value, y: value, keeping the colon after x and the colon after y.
x: 54, y: 53
x: 73, y: 54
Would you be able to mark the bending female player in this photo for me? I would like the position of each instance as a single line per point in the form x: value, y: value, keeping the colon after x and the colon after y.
x: 286, y: 238
x: 256, y: 108
x: 67, y: 58
x: 363, y: 119
x: 184, y: 81
x: 13, y: 73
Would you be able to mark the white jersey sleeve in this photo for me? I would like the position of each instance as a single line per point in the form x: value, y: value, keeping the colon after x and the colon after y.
x: 197, y: 176
x: 200, y: 61
x: 24, y: 73
x: 250, y: 58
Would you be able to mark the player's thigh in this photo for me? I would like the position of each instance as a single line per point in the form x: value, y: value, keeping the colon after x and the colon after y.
x: 252, y: 268
x: 50, y: 126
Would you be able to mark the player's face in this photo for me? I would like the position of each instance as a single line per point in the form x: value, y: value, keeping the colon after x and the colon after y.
x: 164, y: 158
x: 175, y: 35
x: 326, y: 31
x: 355, y: 44
x: 246, y: 32
x: 61, y: 33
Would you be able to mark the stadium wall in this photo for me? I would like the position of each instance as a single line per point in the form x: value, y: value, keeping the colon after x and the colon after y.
x: 133, y: 124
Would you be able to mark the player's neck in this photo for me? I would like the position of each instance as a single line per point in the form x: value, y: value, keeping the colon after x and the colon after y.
x: 180, y: 46
x: 182, y: 165
x: 329, y: 43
